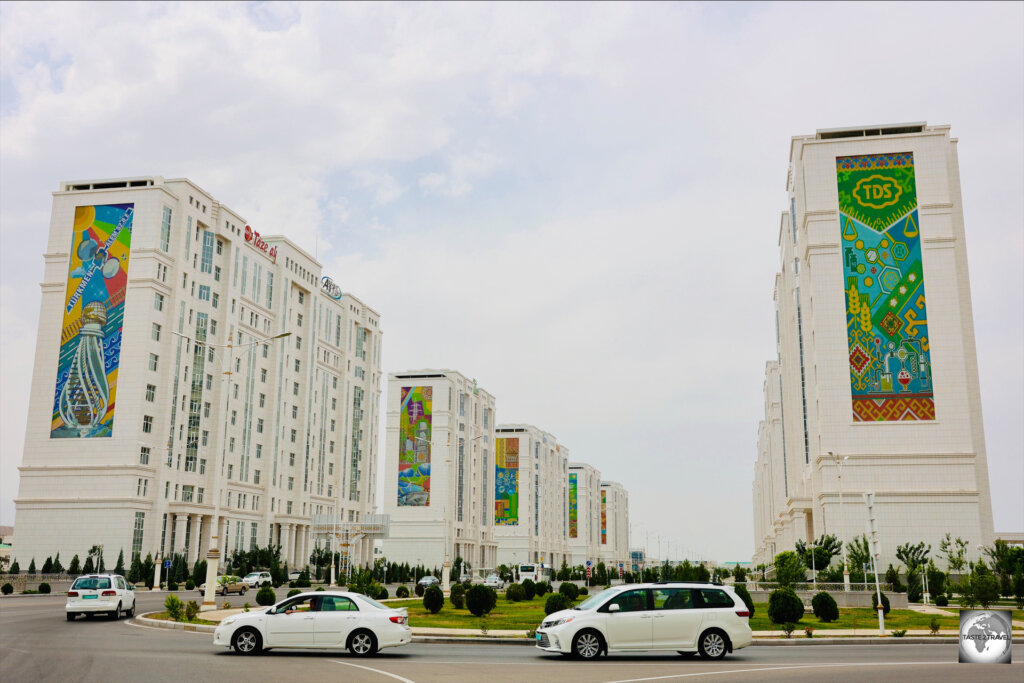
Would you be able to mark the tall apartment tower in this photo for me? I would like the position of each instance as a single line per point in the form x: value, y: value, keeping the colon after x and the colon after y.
x: 531, y: 496
x: 144, y: 425
x: 584, y: 514
x: 438, y: 470
x: 875, y: 387
x: 614, y: 525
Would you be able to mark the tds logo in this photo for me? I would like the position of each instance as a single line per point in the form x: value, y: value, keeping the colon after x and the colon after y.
x: 877, y: 191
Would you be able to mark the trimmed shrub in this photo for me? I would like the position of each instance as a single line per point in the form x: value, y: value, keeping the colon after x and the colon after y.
x: 741, y: 590
x: 584, y: 590
x: 402, y: 592
x: 569, y: 590
x: 885, y: 603
x: 784, y: 606
x: 7, y: 589
x: 320, y: 588
x: 825, y: 607
x: 382, y: 594
x: 266, y: 596
x: 191, y: 610
x: 458, y: 596
x: 44, y: 588
x: 174, y: 606
x: 294, y: 591
x: 433, y: 599
x: 419, y: 590
x: 172, y: 585
x: 481, y: 599
x: 556, y: 602
x: 529, y: 589
x: 540, y: 588
x: 190, y: 585
x: 515, y: 593
x: 941, y: 601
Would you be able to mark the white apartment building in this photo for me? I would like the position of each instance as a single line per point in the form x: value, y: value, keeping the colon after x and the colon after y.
x: 614, y: 526
x: 144, y: 426
x: 875, y: 387
x: 584, y: 514
x: 438, y: 470
x: 531, y: 496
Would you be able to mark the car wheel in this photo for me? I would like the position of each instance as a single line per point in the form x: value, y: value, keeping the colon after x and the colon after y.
x: 116, y: 614
x: 243, y: 590
x: 224, y: 591
x: 247, y: 641
x: 362, y: 643
x: 71, y: 616
x: 712, y: 644
x: 587, y: 644
x: 130, y: 613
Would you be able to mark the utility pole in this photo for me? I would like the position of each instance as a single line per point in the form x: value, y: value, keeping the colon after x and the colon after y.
x: 869, y: 500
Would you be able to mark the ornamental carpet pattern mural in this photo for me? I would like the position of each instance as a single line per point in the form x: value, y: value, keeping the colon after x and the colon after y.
x: 574, y: 514
x: 415, y: 431
x: 506, y: 482
x: 886, y: 317
x: 604, y: 518
x: 90, y: 340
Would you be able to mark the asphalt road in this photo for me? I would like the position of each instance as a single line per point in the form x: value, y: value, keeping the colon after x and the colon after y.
x: 38, y: 644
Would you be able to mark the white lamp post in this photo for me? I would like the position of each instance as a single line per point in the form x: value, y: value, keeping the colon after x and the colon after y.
x: 842, y: 519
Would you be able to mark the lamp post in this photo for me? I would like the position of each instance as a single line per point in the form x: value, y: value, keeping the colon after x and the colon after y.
x: 842, y: 519
x: 869, y: 500
x: 213, y: 554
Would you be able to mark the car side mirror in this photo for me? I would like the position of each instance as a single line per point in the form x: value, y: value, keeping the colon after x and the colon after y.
x: 614, y: 608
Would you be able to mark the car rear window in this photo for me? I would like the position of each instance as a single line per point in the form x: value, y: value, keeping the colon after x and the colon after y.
x: 715, y: 598
x: 91, y: 583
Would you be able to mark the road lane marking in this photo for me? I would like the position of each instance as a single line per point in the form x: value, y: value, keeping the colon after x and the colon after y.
x: 778, y: 668
x: 376, y: 671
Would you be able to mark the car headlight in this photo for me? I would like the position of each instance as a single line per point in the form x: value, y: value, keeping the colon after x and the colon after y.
x: 229, y: 621
x: 557, y: 622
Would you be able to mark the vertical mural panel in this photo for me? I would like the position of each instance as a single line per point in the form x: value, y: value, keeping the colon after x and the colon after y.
x: 573, y: 506
x: 415, y: 433
x: 506, y: 482
x: 886, y: 317
x: 90, y: 342
x: 604, y: 517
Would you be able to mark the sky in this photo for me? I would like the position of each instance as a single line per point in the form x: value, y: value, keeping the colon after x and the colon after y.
x: 576, y: 204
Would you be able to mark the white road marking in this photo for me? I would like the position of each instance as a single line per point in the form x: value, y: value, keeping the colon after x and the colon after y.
x: 779, y: 668
x: 376, y: 671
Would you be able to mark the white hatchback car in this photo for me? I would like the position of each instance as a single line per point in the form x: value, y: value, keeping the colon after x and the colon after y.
x: 318, y: 620
x: 108, y: 594
x: 685, y: 617
x: 258, y: 579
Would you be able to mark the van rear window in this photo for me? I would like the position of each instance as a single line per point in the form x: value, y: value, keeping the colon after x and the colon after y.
x: 91, y: 583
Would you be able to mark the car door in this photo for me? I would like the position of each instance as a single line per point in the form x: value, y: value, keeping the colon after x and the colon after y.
x: 716, y: 605
x: 335, y: 620
x: 630, y: 627
x: 676, y: 621
x: 293, y: 624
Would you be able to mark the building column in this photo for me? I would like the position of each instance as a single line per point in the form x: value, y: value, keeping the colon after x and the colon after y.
x: 179, y: 533
x: 285, y: 544
x: 195, y: 543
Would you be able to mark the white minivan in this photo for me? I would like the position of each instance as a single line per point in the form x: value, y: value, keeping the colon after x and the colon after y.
x: 686, y: 617
x: 108, y: 594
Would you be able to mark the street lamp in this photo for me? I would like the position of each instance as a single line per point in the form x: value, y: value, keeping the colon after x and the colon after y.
x: 842, y: 520
x: 213, y: 554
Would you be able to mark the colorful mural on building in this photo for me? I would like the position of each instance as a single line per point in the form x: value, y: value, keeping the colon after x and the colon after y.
x: 574, y: 515
x: 604, y: 517
x: 886, y: 318
x: 506, y: 482
x: 90, y: 341
x: 415, y: 432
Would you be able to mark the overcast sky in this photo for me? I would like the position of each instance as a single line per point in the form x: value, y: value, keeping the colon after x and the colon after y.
x: 578, y: 205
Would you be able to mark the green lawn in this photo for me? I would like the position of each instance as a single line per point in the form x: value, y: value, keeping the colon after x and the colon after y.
x: 164, y: 616
x: 863, y: 618
x: 522, y: 616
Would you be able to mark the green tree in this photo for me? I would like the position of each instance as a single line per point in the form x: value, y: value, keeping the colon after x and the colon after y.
x: 914, y: 556
x: 825, y: 548
x: 858, y: 553
x: 88, y: 567
x: 433, y: 599
x: 1018, y: 585
x: 480, y: 599
x: 556, y: 602
x: 741, y: 590
x: 76, y: 565
x: 784, y: 606
x: 58, y: 568
x: 48, y: 566
x: 15, y: 569
x: 985, y: 584
x: 892, y: 576
x: 32, y: 566
x: 825, y: 607
x: 740, y: 573
x: 955, y: 552
x: 135, y: 569
x: 789, y: 570
x: 119, y: 567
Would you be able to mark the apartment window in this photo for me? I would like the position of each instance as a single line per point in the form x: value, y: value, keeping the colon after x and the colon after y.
x: 252, y: 534
x: 231, y: 445
x: 293, y: 436
x: 144, y: 455
x: 220, y: 247
x: 291, y: 483
x: 156, y: 332
x: 462, y: 405
x: 177, y: 488
x: 263, y: 374
x: 158, y: 301
x: 234, y: 416
x: 199, y: 494
x: 461, y: 487
x: 270, y: 290
x: 206, y: 437
x: 295, y: 412
x: 204, y: 292
x: 263, y: 400
x: 265, y: 350
x: 332, y: 447
x: 216, y: 273
x: 259, y: 425
x: 296, y: 365
x: 206, y: 266
x: 186, y: 493
x: 209, y: 381
x: 289, y: 507
x: 140, y: 525
x: 298, y: 343
x: 231, y: 471
x: 256, y: 477
x: 295, y: 388
x: 259, y: 451
x: 165, y: 230
x: 202, y: 470
x: 147, y: 423
x: 234, y: 392
x: 154, y: 361
x: 302, y: 297
x: 298, y: 319
x: 330, y: 468
x: 291, y: 459
x: 206, y: 409
x: 167, y: 490
x: 332, y: 425
x: 150, y: 392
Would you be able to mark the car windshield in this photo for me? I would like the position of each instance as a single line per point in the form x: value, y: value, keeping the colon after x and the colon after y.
x: 594, y: 601
x: 252, y: 576
x: 91, y: 583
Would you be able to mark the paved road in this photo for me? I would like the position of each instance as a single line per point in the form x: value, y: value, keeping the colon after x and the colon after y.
x: 37, y: 644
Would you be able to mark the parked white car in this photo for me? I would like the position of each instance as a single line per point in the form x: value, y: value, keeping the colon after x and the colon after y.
x: 685, y: 617
x: 494, y: 581
x: 108, y: 594
x: 258, y: 579
x: 318, y: 620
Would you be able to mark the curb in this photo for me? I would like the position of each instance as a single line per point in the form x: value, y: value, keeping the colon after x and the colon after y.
x: 173, y: 625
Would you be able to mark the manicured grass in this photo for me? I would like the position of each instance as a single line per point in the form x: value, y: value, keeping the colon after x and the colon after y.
x: 861, y: 618
x: 164, y: 616
x: 522, y: 616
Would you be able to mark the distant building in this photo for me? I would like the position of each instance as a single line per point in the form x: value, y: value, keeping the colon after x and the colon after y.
x: 585, y: 535
x: 614, y: 547
x: 876, y: 376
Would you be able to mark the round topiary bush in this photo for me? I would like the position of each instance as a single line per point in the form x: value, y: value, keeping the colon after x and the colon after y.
x: 584, y: 590
x: 172, y: 585
x: 515, y: 593
x: 294, y: 591
x: 320, y: 588
x: 190, y: 585
x: 266, y: 596
x: 44, y: 588
x: 941, y: 601
x: 7, y: 589
x: 402, y: 592
x: 419, y: 590
x: 556, y: 602
x: 825, y: 607
x: 529, y: 589
x: 784, y: 606
x: 885, y: 603
x: 433, y: 599
x: 382, y: 594
x: 481, y: 599
x: 458, y: 596
x: 540, y: 588
x: 569, y: 590
x: 744, y: 594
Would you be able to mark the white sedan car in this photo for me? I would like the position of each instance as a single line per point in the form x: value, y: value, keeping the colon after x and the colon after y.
x: 318, y: 620
x: 494, y: 581
x: 106, y: 594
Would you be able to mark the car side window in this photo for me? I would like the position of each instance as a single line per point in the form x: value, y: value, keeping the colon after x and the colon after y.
x: 673, y: 598
x: 715, y: 598
x: 629, y: 601
x: 334, y: 603
x: 120, y: 583
x: 305, y: 604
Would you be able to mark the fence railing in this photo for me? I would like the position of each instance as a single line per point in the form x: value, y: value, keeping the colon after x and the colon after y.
x: 821, y: 586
